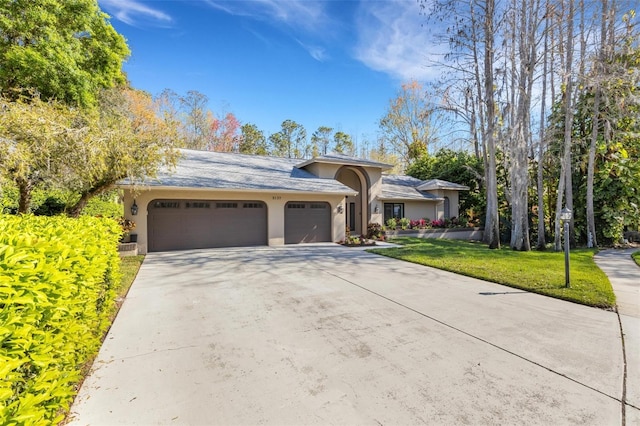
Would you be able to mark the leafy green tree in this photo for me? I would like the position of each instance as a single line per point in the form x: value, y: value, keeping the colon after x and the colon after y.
x: 320, y: 140
x: 50, y: 145
x: 60, y: 49
x: 36, y: 137
x: 252, y: 140
x: 129, y: 139
x: 455, y: 166
x: 343, y: 143
x: 289, y: 142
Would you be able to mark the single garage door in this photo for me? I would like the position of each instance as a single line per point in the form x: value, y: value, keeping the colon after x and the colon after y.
x: 191, y: 224
x: 307, y: 222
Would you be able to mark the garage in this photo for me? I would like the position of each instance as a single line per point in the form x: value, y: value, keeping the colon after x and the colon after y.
x: 193, y: 224
x: 307, y: 222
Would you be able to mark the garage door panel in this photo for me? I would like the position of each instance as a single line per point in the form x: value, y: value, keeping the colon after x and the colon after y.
x: 191, y: 224
x: 307, y: 222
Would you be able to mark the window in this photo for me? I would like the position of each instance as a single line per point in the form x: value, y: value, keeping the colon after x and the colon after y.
x: 166, y: 205
x: 318, y: 206
x: 252, y: 205
x: 395, y: 210
x: 198, y: 205
x: 295, y: 206
x: 447, y: 208
x: 226, y: 205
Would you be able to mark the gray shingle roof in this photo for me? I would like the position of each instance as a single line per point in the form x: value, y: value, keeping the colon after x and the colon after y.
x: 441, y: 184
x: 218, y: 170
x: 396, y: 187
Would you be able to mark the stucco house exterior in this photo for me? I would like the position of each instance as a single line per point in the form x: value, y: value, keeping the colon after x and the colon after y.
x: 214, y: 199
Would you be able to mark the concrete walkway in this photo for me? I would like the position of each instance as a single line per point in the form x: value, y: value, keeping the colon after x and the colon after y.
x: 330, y: 335
x: 624, y: 275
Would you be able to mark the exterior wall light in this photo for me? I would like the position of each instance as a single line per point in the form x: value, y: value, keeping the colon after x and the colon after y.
x: 565, y: 216
x: 340, y: 209
x: 134, y: 208
x: 376, y: 209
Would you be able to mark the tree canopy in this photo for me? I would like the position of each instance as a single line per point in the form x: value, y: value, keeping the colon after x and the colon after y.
x: 59, y: 49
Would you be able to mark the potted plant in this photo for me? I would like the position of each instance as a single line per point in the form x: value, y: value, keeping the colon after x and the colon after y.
x: 127, y: 226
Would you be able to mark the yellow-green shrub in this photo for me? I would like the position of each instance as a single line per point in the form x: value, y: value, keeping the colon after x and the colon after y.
x: 58, y: 278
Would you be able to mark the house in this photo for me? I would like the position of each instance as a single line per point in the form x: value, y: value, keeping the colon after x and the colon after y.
x: 214, y: 199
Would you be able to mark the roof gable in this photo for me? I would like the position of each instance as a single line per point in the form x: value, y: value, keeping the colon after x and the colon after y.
x: 434, y: 184
x: 335, y: 158
x: 399, y: 187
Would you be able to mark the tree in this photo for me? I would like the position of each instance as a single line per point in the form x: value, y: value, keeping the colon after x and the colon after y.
x: 407, y: 125
x: 455, y: 166
x: 129, y: 140
x: 320, y: 140
x: 223, y: 135
x: 342, y: 143
x: 471, y: 73
x: 59, y: 49
x: 36, y: 138
x: 252, y: 140
x: 290, y: 142
x: 197, y: 120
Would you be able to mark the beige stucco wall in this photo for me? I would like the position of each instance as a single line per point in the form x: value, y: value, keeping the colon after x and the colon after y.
x: 416, y: 210
x: 453, y: 203
x: 275, y: 202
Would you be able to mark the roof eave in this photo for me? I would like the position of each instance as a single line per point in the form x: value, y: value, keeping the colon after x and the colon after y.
x: 147, y: 187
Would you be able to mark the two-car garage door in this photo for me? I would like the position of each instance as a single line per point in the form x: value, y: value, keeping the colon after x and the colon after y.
x: 191, y: 224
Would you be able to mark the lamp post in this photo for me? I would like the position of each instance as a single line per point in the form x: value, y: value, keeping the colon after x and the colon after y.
x: 565, y: 217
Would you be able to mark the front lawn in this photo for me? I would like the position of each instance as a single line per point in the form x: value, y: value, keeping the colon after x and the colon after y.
x: 636, y: 256
x: 536, y: 271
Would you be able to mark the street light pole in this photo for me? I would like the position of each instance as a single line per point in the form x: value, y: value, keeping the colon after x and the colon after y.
x: 565, y: 216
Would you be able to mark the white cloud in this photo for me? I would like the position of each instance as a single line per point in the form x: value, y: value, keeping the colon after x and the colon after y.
x: 130, y: 11
x: 391, y: 39
x: 306, y: 15
x: 305, y: 19
x: 318, y: 53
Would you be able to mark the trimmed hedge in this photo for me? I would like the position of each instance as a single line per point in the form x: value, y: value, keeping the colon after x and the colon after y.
x: 58, y: 278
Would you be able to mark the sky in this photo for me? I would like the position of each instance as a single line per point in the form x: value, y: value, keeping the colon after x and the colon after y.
x: 320, y: 63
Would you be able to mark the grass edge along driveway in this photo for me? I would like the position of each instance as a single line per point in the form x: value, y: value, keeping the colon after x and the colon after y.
x: 539, y: 272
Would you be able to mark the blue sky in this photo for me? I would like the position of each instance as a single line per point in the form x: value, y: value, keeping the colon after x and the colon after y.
x: 333, y: 63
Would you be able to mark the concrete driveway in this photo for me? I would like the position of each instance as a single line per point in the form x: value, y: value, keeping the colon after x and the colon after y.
x: 324, y: 334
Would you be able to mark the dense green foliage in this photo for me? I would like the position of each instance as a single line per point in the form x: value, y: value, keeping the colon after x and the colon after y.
x: 61, y: 49
x: 52, y: 202
x: 58, y: 278
x: 617, y: 161
x: 535, y: 271
x: 459, y: 167
x: 636, y: 256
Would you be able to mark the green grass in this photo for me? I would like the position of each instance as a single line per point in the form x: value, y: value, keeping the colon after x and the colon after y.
x: 129, y: 267
x: 536, y: 271
x: 636, y: 256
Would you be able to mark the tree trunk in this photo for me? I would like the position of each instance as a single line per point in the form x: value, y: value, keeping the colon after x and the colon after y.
x: 565, y: 182
x: 492, y: 225
x: 25, y: 188
x: 592, y: 240
x: 77, y: 208
x: 541, y: 244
